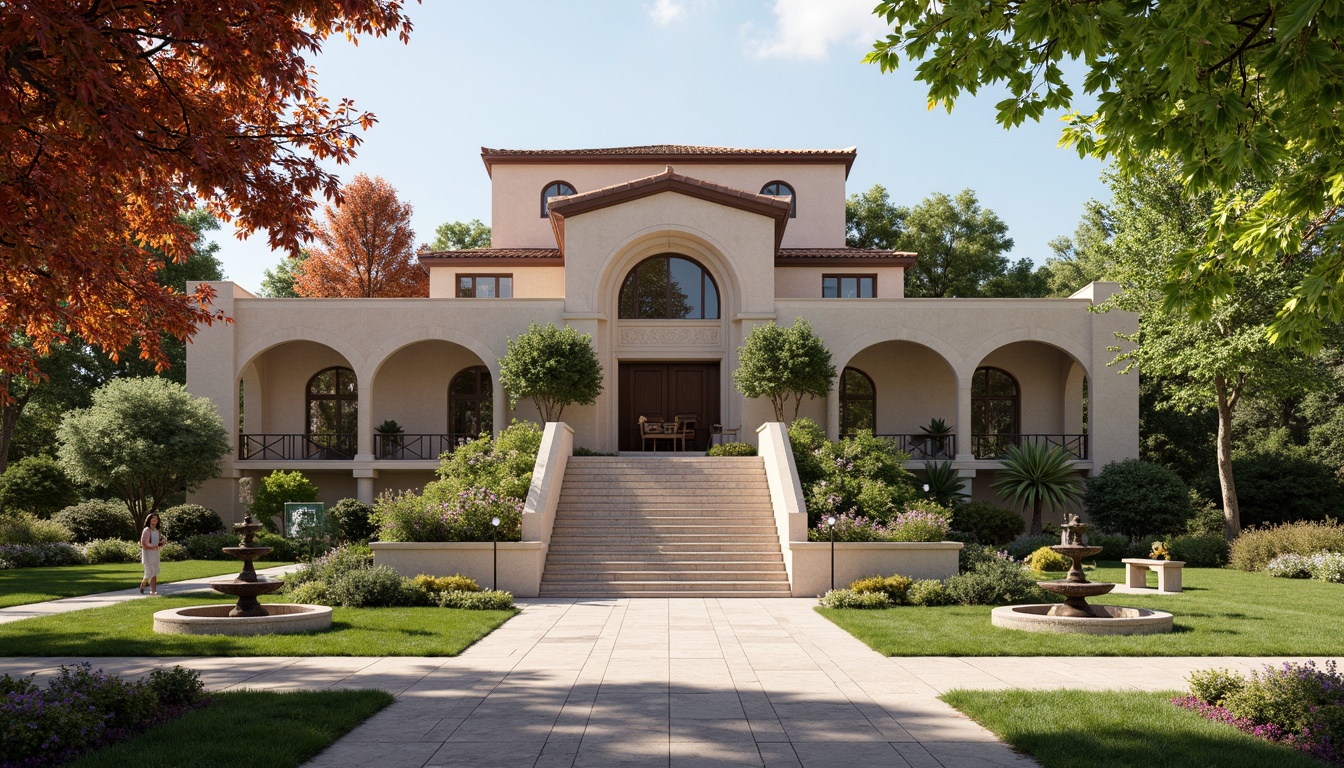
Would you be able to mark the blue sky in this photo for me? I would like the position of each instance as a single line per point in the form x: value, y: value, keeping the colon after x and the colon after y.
x: 770, y: 73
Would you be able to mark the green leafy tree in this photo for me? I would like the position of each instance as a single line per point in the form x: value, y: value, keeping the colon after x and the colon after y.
x: 1036, y: 476
x: 268, y: 501
x: 1084, y: 258
x: 960, y: 246
x: 1022, y: 280
x: 553, y: 367
x: 145, y: 439
x: 461, y: 236
x: 278, y: 283
x: 1136, y: 497
x: 1228, y: 91
x: 784, y: 364
x: 871, y: 221
x: 36, y: 484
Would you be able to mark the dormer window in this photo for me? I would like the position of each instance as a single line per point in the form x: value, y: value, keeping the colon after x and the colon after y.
x: 782, y: 189
x: 554, y: 189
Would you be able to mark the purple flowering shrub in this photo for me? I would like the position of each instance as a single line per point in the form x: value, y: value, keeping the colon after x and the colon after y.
x: 1300, y: 705
x: 462, y: 517
x: 81, y: 709
x: 860, y: 475
x: 919, y: 521
x: 39, y: 555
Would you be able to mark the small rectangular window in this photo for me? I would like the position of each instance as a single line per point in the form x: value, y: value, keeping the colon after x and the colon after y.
x: 848, y: 286
x: 485, y: 286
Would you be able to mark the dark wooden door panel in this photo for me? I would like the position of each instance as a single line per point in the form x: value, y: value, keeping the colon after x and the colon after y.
x: 663, y: 391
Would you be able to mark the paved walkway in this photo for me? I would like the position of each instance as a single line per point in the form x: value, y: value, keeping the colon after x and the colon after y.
x: 669, y: 682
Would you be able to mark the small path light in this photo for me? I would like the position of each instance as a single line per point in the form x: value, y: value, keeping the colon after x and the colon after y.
x: 494, y: 577
x: 830, y: 523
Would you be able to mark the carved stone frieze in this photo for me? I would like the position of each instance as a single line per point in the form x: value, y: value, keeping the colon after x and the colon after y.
x: 671, y: 336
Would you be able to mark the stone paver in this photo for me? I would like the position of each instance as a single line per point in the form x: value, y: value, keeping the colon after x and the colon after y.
x: 672, y: 683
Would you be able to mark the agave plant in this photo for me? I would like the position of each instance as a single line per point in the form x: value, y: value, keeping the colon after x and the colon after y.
x: 942, y: 481
x: 937, y: 428
x: 1036, y: 475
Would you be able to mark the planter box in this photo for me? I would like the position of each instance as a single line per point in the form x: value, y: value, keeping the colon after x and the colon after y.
x: 811, y: 562
x: 520, y: 562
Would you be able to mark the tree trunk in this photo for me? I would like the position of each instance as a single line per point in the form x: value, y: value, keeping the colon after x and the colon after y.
x: 1231, y: 509
x: 10, y: 419
x: 1036, y: 518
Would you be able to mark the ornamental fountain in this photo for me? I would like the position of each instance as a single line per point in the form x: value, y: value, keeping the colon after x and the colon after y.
x: 248, y: 616
x: 1075, y: 615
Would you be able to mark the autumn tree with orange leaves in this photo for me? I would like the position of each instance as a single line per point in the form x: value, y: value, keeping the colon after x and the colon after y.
x: 117, y: 117
x: 365, y: 248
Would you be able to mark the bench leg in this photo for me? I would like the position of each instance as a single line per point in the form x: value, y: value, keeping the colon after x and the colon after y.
x: 1136, y: 575
x: 1169, y: 580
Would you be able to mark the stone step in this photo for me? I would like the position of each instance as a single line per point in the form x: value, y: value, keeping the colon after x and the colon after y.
x: 584, y: 546
x: 668, y: 576
x: 672, y: 564
x: 661, y: 525
x: 686, y: 559
x: 665, y: 589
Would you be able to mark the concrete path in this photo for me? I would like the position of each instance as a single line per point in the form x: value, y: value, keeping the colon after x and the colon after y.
x: 67, y: 604
x: 669, y: 682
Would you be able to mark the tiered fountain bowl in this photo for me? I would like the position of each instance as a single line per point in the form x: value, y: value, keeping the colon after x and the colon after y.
x: 249, y: 616
x: 1075, y: 615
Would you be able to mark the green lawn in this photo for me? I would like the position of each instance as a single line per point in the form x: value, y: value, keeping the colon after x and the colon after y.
x: 1117, y: 729
x: 21, y: 586
x: 254, y: 728
x: 1220, y: 613
x: 127, y: 629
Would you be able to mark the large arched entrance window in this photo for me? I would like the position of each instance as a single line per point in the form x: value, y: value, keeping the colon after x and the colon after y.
x: 333, y: 413
x: 669, y: 287
x: 996, y: 407
x: 858, y: 402
x: 471, y: 405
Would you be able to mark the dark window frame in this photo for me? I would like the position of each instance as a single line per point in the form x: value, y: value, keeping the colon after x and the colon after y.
x: 484, y: 395
x: 838, y: 277
x: 631, y: 282
x: 977, y: 425
x: 496, y: 276
x: 846, y: 425
x: 558, y: 193
x: 793, y: 194
x: 341, y: 400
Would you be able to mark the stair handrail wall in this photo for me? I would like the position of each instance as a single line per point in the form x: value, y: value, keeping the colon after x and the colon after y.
x: 786, y: 492
x: 548, y: 474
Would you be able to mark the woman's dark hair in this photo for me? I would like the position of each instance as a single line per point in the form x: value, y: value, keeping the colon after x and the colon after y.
x: 154, y: 515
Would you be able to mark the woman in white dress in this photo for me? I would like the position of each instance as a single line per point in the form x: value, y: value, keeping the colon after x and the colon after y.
x: 150, y: 542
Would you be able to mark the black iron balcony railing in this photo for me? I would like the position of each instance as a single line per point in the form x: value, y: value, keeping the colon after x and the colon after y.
x: 994, y: 446
x: 331, y: 446
x: 921, y: 447
x: 417, y: 447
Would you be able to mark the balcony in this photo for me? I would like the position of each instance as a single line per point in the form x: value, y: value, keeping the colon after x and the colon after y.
x: 322, y: 447
x: 402, y: 447
x: 994, y: 446
x: 923, y: 447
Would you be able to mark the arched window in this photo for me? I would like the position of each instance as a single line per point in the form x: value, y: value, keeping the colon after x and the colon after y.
x: 858, y: 402
x: 333, y: 414
x: 782, y: 189
x: 471, y: 404
x: 669, y: 287
x: 554, y: 189
x: 996, y: 405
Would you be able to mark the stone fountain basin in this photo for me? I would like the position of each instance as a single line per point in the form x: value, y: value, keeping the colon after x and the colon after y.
x: 281, y: 619
x: 240, y: 588
x: 1109, y: 620
x: 1076, y: 588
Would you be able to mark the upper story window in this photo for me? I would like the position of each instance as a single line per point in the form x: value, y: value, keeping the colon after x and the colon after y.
x: 485, y: 286
x: 995, y: 402
x: 669, y: 287
x: 554, y: 189
x: 848, y: 286
x: 333, y: 398
x: 782, y: 189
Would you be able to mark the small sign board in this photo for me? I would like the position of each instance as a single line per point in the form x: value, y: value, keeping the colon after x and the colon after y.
x: 304, y: 516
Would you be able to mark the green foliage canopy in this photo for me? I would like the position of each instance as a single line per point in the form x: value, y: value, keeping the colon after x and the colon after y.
x: 268, y: 501
x: 1249, y: 88
x: 461, y: 236
x: 1136, y: 497
x: 145, y: 439
x: 278, y: 283
x: 36, y: 484
x: 553, y: 367
x: 784, y: 364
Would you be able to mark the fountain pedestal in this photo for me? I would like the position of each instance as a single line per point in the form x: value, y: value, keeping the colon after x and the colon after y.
x: 247, y: 586
x: 1075, y: 588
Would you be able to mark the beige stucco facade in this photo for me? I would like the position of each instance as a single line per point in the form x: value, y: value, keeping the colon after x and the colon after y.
x: 568, y: 268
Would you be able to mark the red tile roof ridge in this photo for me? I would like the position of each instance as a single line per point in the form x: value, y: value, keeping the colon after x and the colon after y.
x: 665, y: 149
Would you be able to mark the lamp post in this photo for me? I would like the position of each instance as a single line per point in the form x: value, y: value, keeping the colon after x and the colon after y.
x: 494, y: 546
x: 830, y: 524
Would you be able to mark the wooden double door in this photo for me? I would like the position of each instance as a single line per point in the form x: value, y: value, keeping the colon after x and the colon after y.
x: 663, y: 391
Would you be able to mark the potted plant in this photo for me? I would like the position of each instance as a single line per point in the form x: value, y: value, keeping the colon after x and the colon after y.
x: 935, y: 442
x: 390, y: 441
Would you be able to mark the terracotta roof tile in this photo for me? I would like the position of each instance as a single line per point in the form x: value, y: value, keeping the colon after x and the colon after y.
x: 785, y: 256
x: 669, y: 153
x: 493, y: 256
x: 821, y: 257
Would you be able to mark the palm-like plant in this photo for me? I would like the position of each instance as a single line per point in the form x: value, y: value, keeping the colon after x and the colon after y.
x: 942, y: 481
x: 1036, y: 475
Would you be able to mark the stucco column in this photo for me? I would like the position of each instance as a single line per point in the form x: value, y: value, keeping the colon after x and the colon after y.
x: 501, y: 405
x: 964, y: 379
x: 364, y: 484
x: 833, y: 413
x: 364, y: 451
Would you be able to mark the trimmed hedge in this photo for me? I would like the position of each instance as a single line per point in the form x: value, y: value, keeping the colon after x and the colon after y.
x: 989, y: 523
x: 1134, y: 497
x: 186, y: 520
x: 97, y: 519
x: 1255, y: 548
x: 36, y: 484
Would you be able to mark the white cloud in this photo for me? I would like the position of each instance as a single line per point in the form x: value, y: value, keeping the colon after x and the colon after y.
x: 806, y: 29
x: 664, y: 12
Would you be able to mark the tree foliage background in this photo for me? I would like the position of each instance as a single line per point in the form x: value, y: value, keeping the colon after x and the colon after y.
x: 553, y: 367
x: 784, y: 364
x: 365, y: 248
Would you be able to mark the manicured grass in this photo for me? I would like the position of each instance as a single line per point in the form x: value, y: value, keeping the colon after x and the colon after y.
x: 1220, y: 613
x: 254, y: 728
x: 21, y: 586
x: 127, y: 629
x: 1117, y: 729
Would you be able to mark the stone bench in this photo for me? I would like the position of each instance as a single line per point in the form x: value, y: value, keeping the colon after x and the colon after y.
x: 1168, y: 573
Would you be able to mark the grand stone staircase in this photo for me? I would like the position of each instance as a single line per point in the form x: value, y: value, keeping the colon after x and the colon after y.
x: 631, y: 526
